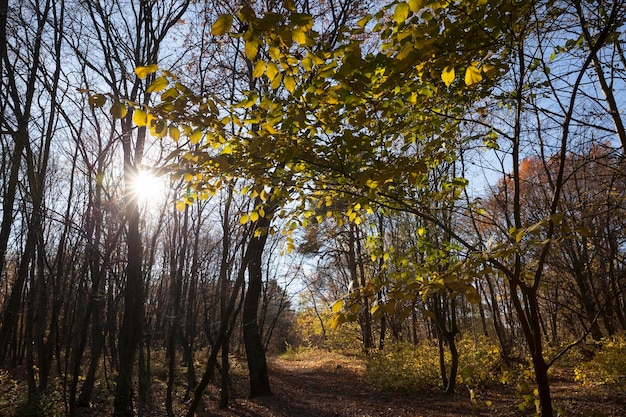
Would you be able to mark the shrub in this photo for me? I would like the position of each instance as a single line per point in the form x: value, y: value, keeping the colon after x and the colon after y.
x: 479, y: 363
x: 404, y: 367
x: 608, y: 365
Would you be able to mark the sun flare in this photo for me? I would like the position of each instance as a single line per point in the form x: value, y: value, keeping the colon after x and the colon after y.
x: 148, y: 187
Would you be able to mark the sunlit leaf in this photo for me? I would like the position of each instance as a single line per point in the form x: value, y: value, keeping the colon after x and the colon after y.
x: 290, y: 83
x: 415, y: 5
x: 180, y: 205
x: 271, y: 71
x: 401, y: 12
x: 140, y: 117
x: 259, y: 69
x: 336, y: 321
x: 244, y: 219
x: 143, y: 72
x: 195, y: 136
x: 277, y: 81
x: 447, y: 76
x: 158, y: 85
x: 222, y: 25
x: 337, y: 306
x: 472, y: 76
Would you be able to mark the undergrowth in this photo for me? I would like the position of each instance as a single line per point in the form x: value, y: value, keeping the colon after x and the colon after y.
x: 607, y: 365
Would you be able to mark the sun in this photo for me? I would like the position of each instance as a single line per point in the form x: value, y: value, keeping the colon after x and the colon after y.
x: 147, y: 187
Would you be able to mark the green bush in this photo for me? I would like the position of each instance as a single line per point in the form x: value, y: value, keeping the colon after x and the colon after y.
x: 608, y: 365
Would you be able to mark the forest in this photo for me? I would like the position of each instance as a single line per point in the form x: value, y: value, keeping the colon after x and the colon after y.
x: 198, y: 194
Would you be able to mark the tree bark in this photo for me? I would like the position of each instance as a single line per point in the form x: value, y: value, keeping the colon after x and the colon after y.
x: 257, y: 365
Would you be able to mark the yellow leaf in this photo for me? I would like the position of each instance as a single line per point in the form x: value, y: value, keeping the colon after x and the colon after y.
x: 251, y: 49
x: 222, y: 25
x: 118, y: 110
x: 254, y: 216
x: 140, y: 117
x: 447, y: 76
x: 290, y: 83
x: 276, y: 81
x: 174, y: 133
x: 272, y: 71
x: 195, y: 136
x: 158, y: 85
x: 299, y: 36
x: 143, y: 72
x: 259, y: 69
x: 244, y: 219
x: 158, y: 128
x: 472, y: 76
x: 415, y: 5
x: 180, y: 205
x: 274, y: 53
x: 401, y: 12
x: 336, y: 321
x: 337, y: 306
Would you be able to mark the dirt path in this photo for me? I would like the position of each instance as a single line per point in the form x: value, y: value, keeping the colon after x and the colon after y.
x: 333, y: 385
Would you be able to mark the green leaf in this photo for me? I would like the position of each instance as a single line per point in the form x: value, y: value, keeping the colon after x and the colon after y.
x: 118, y: 110
x: 143, y: 72
x: 222, y: 25
x: 97, y: 100
x: 401, y: 13
x: 158, y: 85
x: 447, y: 76
x: 472, y: 76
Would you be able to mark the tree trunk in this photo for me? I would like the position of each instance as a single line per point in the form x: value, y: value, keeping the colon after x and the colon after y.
x: 257, y: 365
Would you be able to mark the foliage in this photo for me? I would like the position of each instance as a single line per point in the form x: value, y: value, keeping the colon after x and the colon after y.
x: 405, y: 367
x: 608, y: 365
x: 480, y: 363
x: 313, y: 332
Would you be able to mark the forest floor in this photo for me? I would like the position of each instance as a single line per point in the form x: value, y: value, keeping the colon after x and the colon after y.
x: 322, y: 384
x: 317, y: 383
